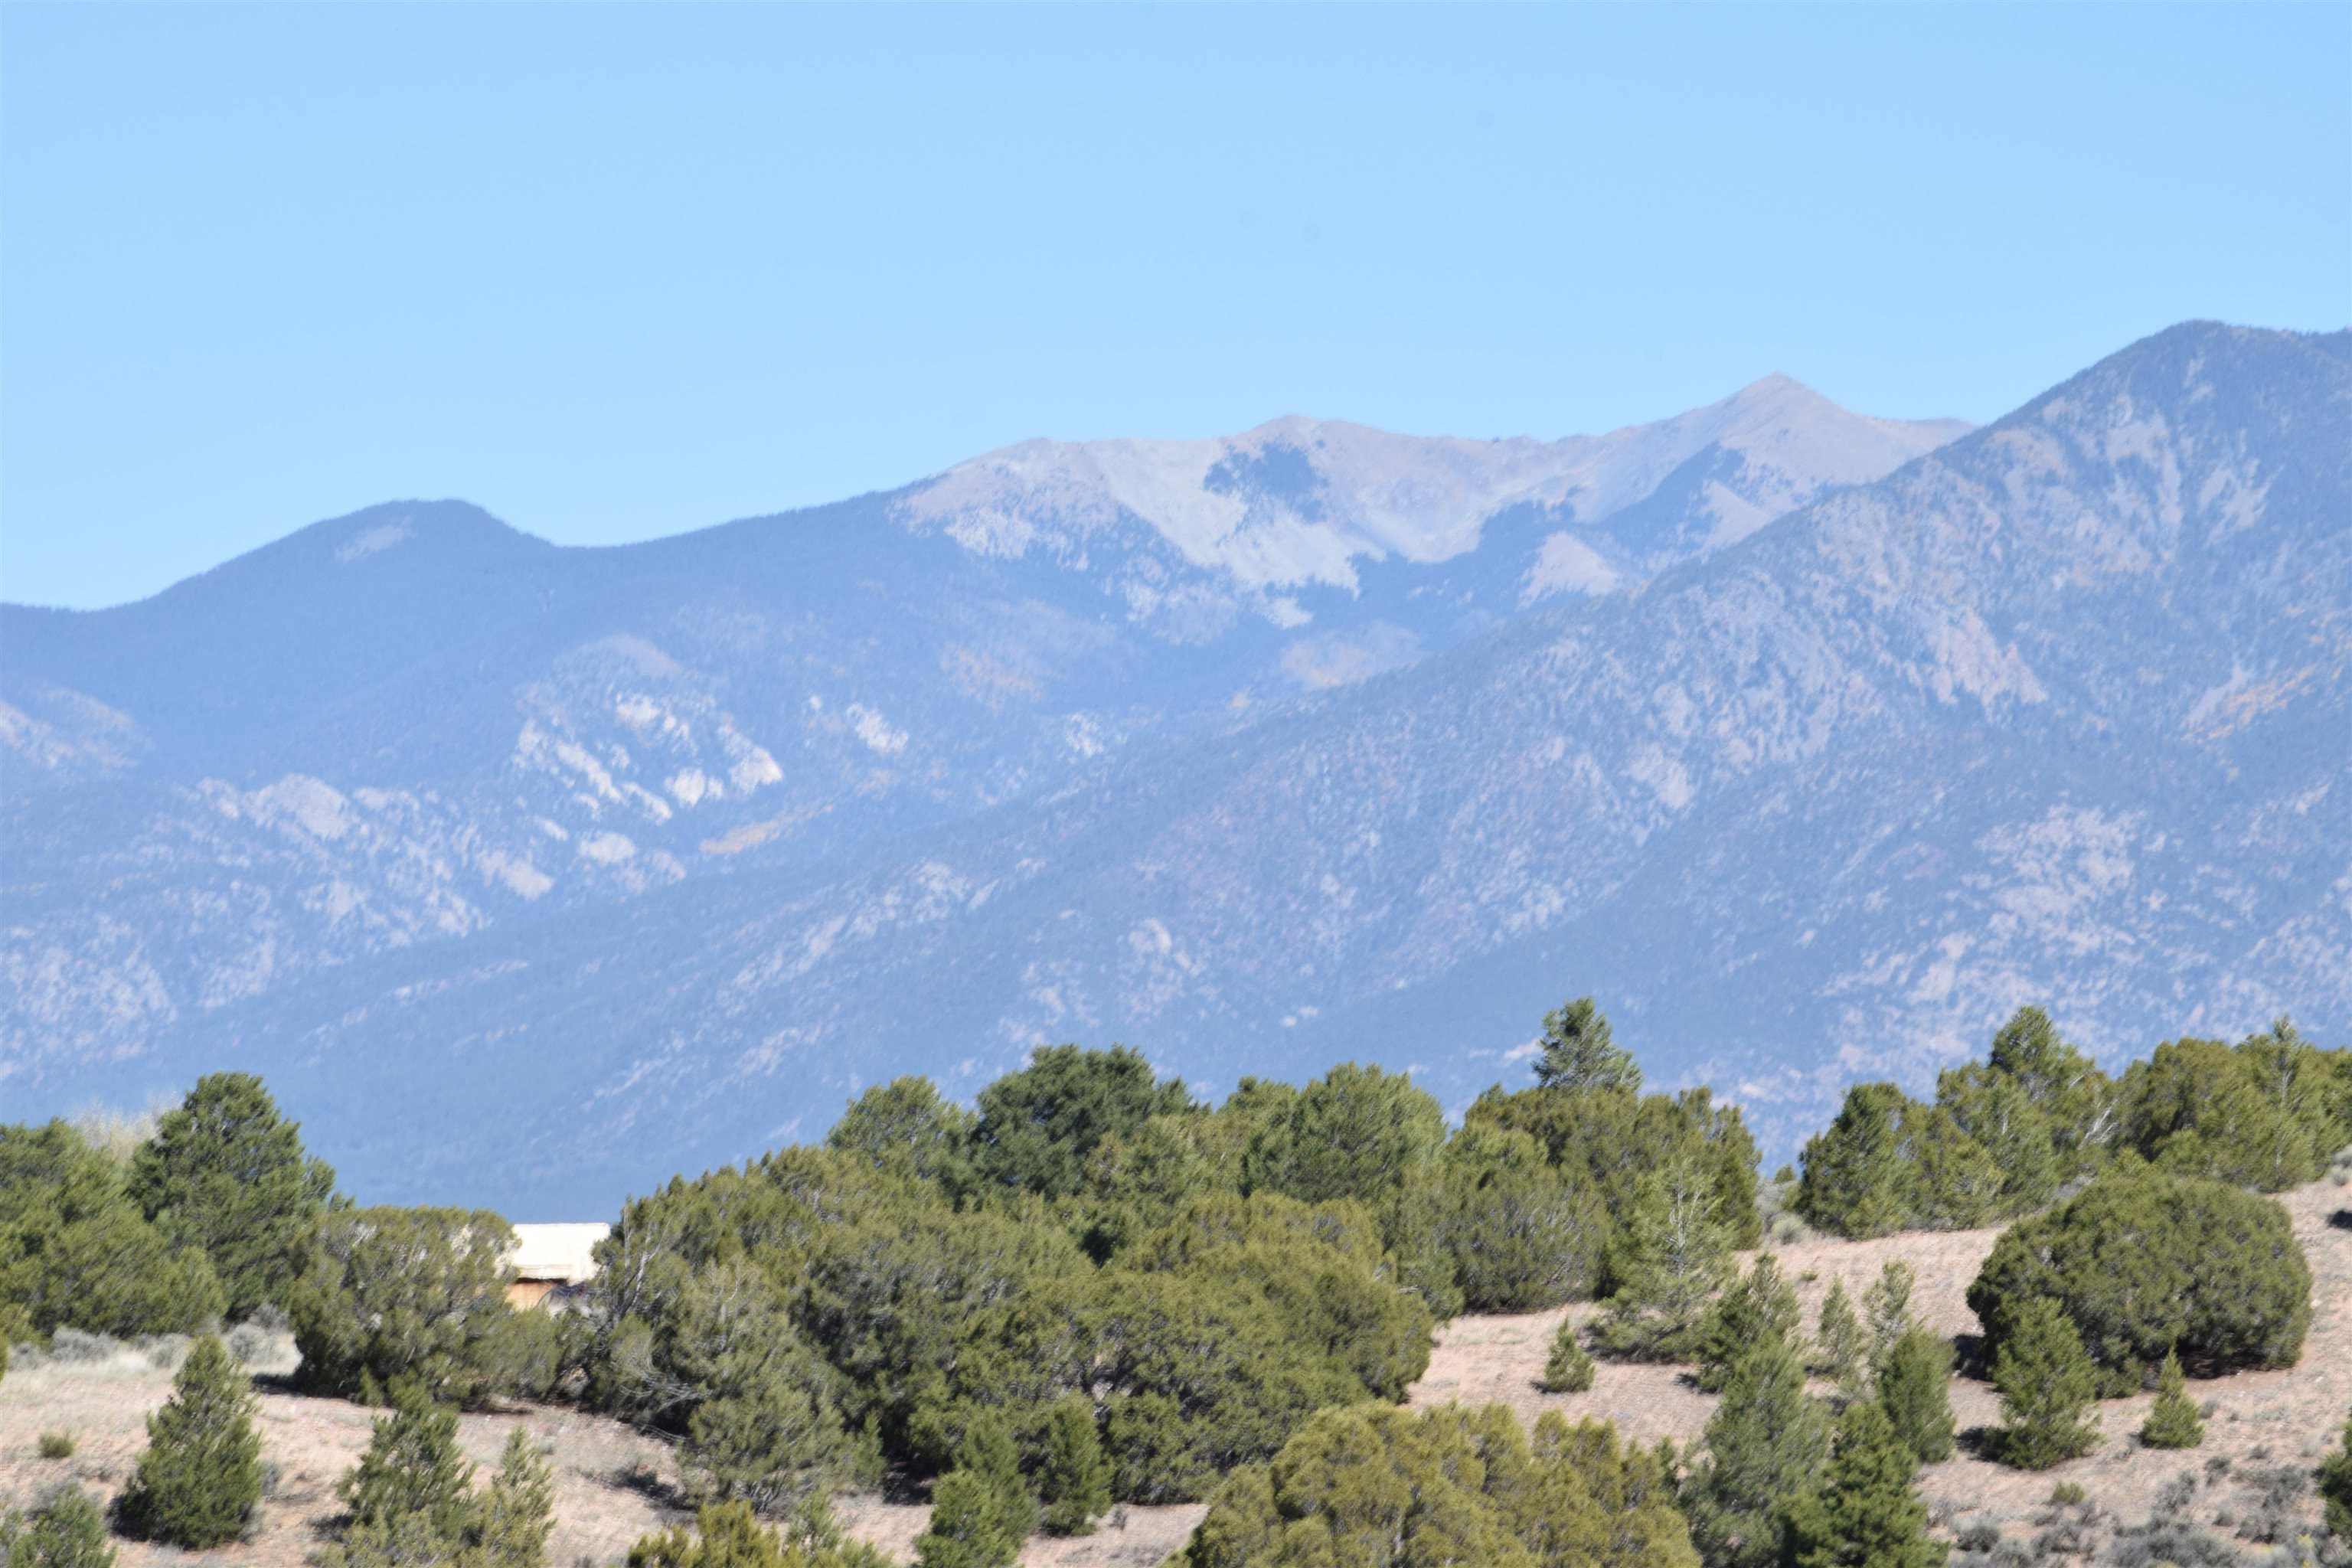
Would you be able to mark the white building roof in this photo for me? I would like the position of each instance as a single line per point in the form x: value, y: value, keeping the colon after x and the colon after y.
x: 557, y: 1252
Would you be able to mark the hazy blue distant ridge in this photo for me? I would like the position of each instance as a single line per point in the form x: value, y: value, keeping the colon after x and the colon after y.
x: 2056, y: 711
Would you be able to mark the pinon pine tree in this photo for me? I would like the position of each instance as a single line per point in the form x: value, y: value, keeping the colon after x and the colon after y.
x: 1765, y: 1445
x: 412, y: 1466
x: 226, y: 1175
x: 1886, y: 1306
x: 1840, y: 1350
x: 1074, y: 1484
x: 1579, y: 1054
x: 410, y: 1495
x: 1857, y: 1181
x: 1865, y: 1515
x: 982, y: 1511
x: 2172, y: 1421
x: 1914, y: 1378
x: 1568, y: 1369
x: 66, y: 1532
x: 200, y: 1480
x: 514, y: 1519
x: 1761, y: 1305
x: 2047, y: 1388
x: 2336, y: 1486
x: 1676, y: 1257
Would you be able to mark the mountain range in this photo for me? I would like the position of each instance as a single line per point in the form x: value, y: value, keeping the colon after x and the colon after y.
x: 1811, y: 743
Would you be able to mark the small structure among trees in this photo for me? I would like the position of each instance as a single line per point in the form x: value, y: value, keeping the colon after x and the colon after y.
x: 548, y: 1260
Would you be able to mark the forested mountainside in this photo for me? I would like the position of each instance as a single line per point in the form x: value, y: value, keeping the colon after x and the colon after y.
x: 2057, y: 711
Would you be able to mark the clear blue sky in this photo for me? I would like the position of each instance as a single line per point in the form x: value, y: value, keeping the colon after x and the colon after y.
x: 616, y: 272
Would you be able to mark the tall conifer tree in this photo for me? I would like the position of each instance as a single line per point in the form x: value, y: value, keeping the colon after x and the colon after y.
x: 1675, y: 1259
x: 1761, y: 1306
x: 200, y: 1478
x: 1857, y: 1180
x: 1765, y: 1445
x: 1841, y: 1348
x: 1886, y: 1307
x: 2048, y: 1386
x: 1074, y: 1484
x: 1579, y: 1054
x: 1913, y: 1389
x: 1865, y: 1514
x: 226, y: 1173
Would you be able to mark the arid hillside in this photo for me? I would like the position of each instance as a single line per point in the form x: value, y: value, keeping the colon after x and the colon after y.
x: 2255, y: 1423
x: 614, y: 1483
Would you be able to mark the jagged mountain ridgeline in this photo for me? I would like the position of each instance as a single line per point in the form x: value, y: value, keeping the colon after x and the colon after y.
x: 1812, y: 743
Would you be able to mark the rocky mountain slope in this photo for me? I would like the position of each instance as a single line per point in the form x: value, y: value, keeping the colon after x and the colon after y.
x: 2055, y: 712
x: 410, y: 725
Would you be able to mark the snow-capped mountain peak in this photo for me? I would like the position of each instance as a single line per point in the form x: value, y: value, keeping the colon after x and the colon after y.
x: 1299, y: 501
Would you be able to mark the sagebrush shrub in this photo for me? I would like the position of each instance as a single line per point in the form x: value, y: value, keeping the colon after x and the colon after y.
x: 729, y: 1535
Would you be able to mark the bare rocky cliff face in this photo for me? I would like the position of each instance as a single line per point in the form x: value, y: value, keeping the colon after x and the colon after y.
x: 532, y: 875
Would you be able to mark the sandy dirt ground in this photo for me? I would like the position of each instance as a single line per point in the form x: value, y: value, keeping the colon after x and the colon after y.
x: 603, y: 1500
x: 615, y: 1484
x: 1126, y: 1538
x: 2257, y: 1420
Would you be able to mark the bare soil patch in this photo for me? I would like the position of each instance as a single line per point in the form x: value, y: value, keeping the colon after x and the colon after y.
x: 1129, y: 1537
x: 104, y: 1403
